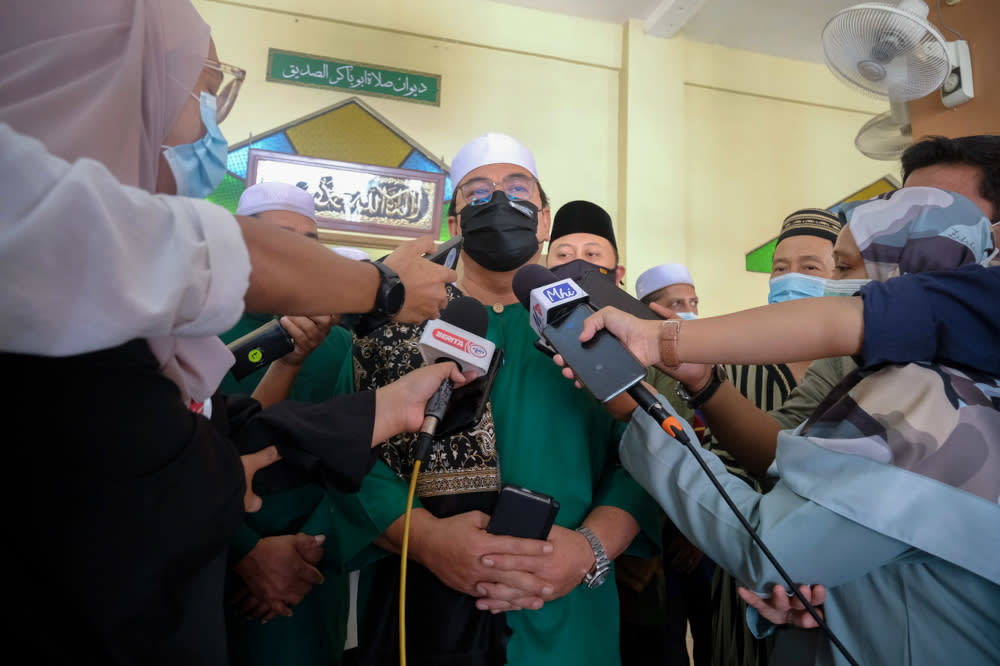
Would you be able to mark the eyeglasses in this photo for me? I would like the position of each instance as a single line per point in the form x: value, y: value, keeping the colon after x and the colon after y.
x: 228, y: 89
x: 517, y: 187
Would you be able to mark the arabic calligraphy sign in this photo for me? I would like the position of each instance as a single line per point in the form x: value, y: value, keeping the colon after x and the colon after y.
x: 320, y: 72
x: 358, y: 197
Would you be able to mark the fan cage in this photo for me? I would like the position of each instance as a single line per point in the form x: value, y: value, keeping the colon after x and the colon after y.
x: 881, y: 38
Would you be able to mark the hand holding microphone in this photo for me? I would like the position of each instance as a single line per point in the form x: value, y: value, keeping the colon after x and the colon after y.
x: 457, y: 337
x: 559, y: 310
x: 400, y: 406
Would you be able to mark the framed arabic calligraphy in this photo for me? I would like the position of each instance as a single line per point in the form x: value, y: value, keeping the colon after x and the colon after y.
x: 320, y: 72
x: 359, y: 198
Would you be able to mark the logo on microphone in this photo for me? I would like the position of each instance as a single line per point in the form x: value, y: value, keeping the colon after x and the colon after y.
x: 560, y: 291
x: 459, y: 342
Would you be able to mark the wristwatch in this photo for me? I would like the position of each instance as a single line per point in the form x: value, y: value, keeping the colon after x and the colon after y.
x: 390, y: 295
x: 602, y: 565
x: 696, y: 400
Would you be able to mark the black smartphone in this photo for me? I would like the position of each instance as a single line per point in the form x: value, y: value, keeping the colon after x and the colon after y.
x: 602, y: 364
x: 523, y: 513
x: 447, y: 253
x: 468, y: 402
x: 603, y: 291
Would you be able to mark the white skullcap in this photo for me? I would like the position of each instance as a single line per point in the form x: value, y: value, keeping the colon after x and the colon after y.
x: 659, y: 277
x: 352, y: 253
x: 276, y: 196
x: 490, y: 149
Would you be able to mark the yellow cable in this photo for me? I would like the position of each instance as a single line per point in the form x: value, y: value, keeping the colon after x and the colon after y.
x: 402, y: 563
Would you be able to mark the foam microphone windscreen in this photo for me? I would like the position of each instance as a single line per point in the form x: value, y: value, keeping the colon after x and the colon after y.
x: 468, y: 314
x: 531, y: 277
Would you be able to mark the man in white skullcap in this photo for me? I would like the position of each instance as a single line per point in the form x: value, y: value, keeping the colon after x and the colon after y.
x: 319, y: 368
x: 671, y: 286
x: 282, y: 204
x: 549, y: 438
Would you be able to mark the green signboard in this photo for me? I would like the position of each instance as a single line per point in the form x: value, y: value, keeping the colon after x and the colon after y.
x: 319, y: 72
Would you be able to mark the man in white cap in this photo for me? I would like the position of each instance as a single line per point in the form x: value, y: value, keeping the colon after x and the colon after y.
x: 292, y: 208
x: 671, y: 286
x: 546, y: 437
x: 273, y: 566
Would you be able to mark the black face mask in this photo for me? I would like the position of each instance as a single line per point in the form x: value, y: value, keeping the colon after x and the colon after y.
x: 500, y: 235
x: 577, y: 268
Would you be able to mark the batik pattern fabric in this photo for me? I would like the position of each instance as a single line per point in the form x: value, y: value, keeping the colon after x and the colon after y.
x: 460, y: 464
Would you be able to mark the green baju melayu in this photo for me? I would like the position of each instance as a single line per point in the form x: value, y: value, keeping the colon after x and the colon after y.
x: 316, y: 632
x: 540, y: 432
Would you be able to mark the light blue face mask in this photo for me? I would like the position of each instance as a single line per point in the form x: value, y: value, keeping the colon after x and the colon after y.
x: 198, y: 167
x: 687, y: 315
x: 791, y: 286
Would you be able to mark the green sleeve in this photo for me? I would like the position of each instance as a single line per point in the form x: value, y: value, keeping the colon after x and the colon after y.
x: 359, y: 518
x: 243, y: 542
x: 817, y: 383
x: 618, y: 489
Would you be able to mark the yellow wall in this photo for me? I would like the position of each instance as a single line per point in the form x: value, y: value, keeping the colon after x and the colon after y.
x: 765, y: 136
x: 697, y: 151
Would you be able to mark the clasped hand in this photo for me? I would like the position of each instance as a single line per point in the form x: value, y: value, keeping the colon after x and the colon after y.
x: 503, y: 572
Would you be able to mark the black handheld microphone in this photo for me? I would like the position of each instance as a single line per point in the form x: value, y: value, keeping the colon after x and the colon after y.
x: 259, y: 347
x: 457, y: 336
x: 602, y: 364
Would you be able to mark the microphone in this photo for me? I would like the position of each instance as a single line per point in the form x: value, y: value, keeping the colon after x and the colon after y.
x: 259, y: 348
x: 457, y: 336
x: 601, y: 291
x: 602, y: 364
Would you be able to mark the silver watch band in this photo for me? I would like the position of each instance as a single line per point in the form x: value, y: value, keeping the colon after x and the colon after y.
x: 602, y: 565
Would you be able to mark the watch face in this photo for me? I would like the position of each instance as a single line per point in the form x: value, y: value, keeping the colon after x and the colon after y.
x: 599, y: 579
x: 394, y: 299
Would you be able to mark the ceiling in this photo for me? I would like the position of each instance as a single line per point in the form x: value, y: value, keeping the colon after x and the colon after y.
x: 784, y: 28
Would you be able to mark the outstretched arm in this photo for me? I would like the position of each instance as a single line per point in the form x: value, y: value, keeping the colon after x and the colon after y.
x: 800, y: 330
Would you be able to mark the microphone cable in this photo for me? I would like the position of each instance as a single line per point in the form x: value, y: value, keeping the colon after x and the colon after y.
x: 403, y: 554
x: 422, y: 450
x: 672, y: 426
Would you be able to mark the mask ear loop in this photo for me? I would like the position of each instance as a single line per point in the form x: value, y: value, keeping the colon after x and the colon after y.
x: 991, y: 257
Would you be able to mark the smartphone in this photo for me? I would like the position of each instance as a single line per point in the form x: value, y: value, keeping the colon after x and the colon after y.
x: 603, y: 292
x: 523, y: 513
x: 602, y: 364
x: 447, y: 253
x: 468, y: 402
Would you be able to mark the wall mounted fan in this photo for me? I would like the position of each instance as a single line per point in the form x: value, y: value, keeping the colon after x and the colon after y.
x: 887, y: 135
x: 892, y: 52
x: 886, y: 51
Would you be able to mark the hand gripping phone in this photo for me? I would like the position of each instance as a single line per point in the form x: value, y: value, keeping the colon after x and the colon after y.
x: 447, y: 252
x: 523, y: 513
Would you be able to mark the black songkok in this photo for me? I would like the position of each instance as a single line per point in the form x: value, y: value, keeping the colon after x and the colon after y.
x: 583, y: 217
x: 811, y: 222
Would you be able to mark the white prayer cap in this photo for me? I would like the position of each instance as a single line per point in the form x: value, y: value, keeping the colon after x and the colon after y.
x: 352, y: 253
x: 276, y: 196
x: 659, y: 277
x: 490, y: 148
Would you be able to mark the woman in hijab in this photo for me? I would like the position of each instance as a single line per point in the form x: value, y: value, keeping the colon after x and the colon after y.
x: 125, y: 499
x: 887, y: 495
